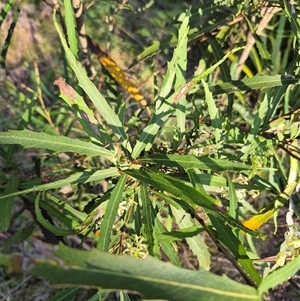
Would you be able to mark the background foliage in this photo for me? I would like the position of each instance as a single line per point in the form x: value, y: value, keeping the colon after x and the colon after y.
x: 157, y: 131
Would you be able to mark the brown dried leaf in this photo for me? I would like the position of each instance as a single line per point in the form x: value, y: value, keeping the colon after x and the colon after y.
x: 64, y: 88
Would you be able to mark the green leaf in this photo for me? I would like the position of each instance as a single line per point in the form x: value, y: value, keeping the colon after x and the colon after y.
x: 71, y: 27
x: 64, y: 207
x: 259, y: 117
x: 8, y: 203
x: 211, y: 69
x: 95, y: 96
x: 179, y: 234
x: 75, y: 179
x: 82, y: 112
x: 213, y: 113
x: 30, y: 139
x: 167, y: 247
x: 196, y: 244
x: 110, y: 214
x: 66, y: 295
x: 6, y: 9
x: 150, y: 131
x: 225, y: 71
x: 62, y: 212
x: 189, y: 196
x: 190, y: 161
x: 208, y: 26
x: 226, y: 236
x: 175, y: 187
x: 180, y: 80
x: 148, y: 217
x: 176, y: 202
x: 226, y: 219
x: 279, y: 276
x: 233, y: 201
x: 195, y: 179
x: 152, y: 278
x: 293, y: 17
x: 55, y: 230
x: 163, y: 107
x: 257, y: 82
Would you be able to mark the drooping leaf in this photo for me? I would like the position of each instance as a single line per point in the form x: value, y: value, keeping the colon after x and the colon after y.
x: 152, y: 278
x: 61, y: 144
x: 175, y: 187
x: 54, y: 229
x: 8, y: 203
x: 75, y: 179
x: 226, y: 236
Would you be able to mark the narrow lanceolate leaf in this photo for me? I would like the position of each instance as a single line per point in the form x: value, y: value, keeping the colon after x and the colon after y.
x: 194, y: 33
x: 228, y: 239
x: 225, y: 218
x: 150, y: 131
x: 212, y: 68
x: 291, y: 12
x: 167, y: 246
x: 175, y: 187
x: 163, y: 106
x: 224, y: 68
x: 257, y: 82
x: 279, y: 276
x: 75, y: 179
x: 179, y: 234
x: 152, y: 278
x: 196, y: 244
x: 190, y: 161
x: 55, y: 143
x: 95, y: 96
x: 54, y: 229
x: 213, y: 113
x: 148, y: 217
x: 189, y: 197
x: 180, y: 80
x: 67, y: 294
x: 71, y: 27
x: 8, y: 203
x: 233, y: 200
x: 259, y: 116
x: 195, y: 179
x: 71, y: 97
x: 110, y: 214
x: 5, y: 10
